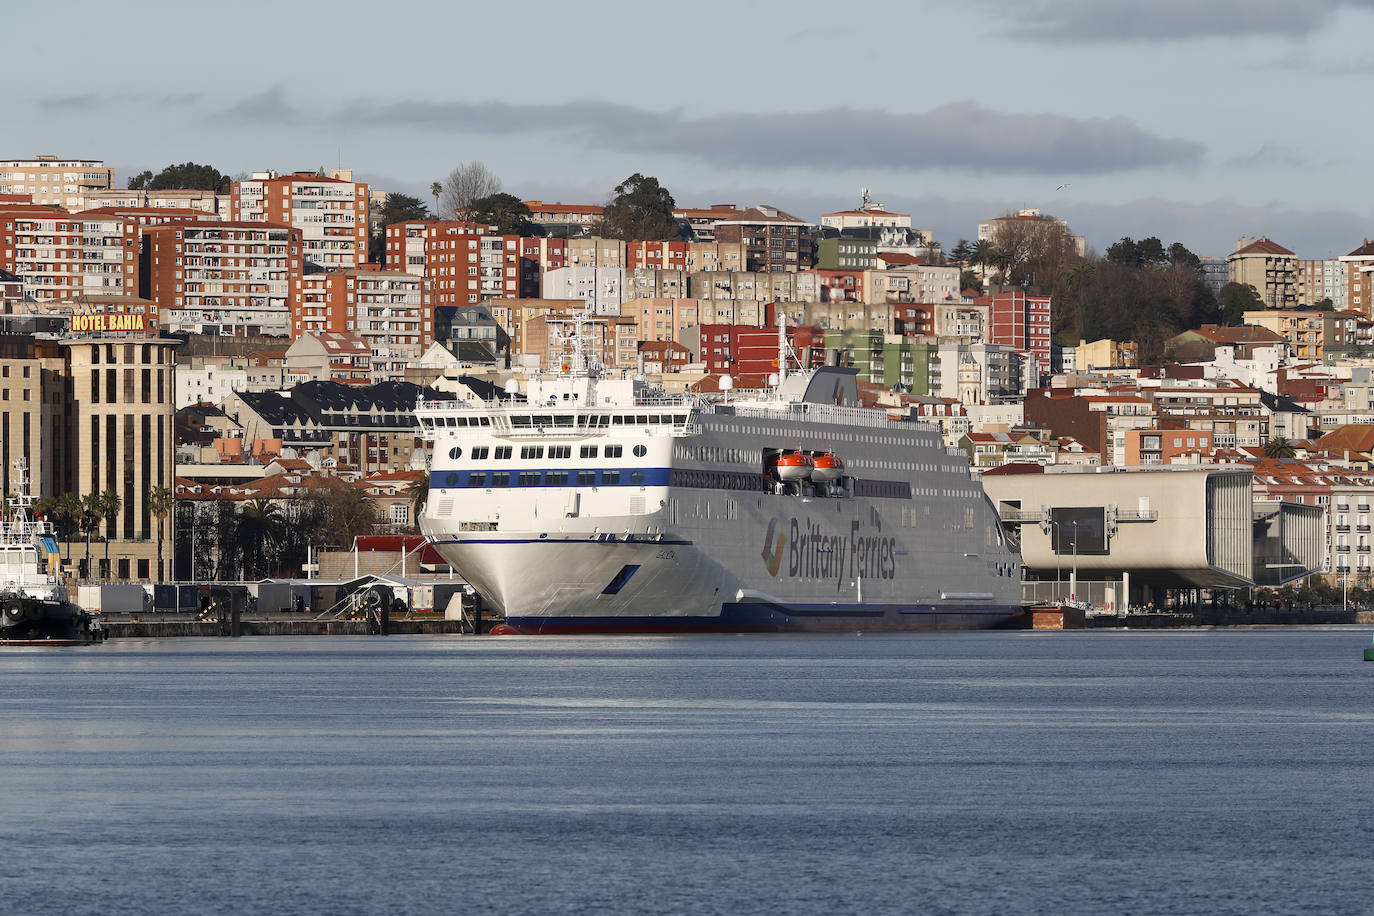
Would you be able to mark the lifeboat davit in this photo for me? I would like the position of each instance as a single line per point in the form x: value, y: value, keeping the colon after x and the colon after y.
x: 827, y: 468
x: 792, y: 466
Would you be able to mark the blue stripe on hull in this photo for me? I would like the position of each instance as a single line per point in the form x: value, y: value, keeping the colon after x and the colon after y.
x: 764, y: 617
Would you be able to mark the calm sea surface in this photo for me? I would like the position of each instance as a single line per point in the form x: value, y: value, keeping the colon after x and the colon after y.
x: 1091, y: 772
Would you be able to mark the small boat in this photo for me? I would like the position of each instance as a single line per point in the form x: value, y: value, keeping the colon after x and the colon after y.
x: 792, y: 466
x: 827, y: 468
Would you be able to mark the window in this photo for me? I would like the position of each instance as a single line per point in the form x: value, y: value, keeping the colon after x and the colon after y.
x: 400, y: 514
x: 556, y: 478
x: 455, y: 452
x: 640, y: 451
x: 477, y: 480
x: 479, y: 453
x: 586, y: 478
x: 502, y: 452
x: 614, y: 451
x: 500, y: 479
x: 531, y: 451
x: 637, y: 477
x: 527, y: 479
x: 610, y: 478
x: 560, y: 451
x: 588, y: 451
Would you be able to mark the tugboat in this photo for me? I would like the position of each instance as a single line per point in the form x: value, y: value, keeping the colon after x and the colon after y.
x: 35, y: 608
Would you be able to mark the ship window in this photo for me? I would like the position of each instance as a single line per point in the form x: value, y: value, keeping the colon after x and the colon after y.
x: 618, y: 420
x: 614, y: 451
x: 560, y: 451
x: 477, y: 480
x: 451, y: 480
x: 563, y: 419
x: 479, y: 453
x: 532, y: 451
x: 654, y: 418
x: 610, y: 478
x: 640, y: 451
x: 502, y: 452
x: 636, y: 477
x: 527, y: 479
x: 588, y: 451
x: 520, y: 422
x: 455, y: 452
x: 586, y: 478
x: 642, y: 419
x: 500, y: 479
x: 484, y: 421
x: 555, y: 478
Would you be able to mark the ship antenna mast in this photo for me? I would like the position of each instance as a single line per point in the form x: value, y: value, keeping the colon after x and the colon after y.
x: 782, y: 343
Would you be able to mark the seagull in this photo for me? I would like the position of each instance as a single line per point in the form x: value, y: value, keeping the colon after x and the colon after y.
x: 1062, y: 186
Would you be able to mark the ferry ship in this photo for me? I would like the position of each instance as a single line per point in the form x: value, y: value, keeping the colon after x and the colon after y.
x: 600, y: 505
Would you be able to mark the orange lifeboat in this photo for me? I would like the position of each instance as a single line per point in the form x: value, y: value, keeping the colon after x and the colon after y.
x: 827, y: 468
x: 792, y: 466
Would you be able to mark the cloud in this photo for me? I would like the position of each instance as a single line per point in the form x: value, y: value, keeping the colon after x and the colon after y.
x: 96, y: 101
x: 964, y: 136
x: 1270, y: 155
x: 1165, y: 20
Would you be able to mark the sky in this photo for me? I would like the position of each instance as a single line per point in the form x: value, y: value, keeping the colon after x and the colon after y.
x: 1197, y: 122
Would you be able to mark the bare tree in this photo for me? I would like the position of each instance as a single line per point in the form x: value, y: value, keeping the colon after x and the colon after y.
x: 469, y: 182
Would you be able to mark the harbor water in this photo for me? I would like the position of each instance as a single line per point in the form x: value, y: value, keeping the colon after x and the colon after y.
x: 992, y: 772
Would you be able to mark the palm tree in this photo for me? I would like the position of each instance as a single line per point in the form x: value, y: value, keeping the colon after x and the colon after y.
x: 110, y: 504
x: 89, y: 522
x: 981, y: 253
x: 419, y: 495
x: 66, y: 512
x: 259, y: 532
x: 436, y: 189
x: 1279, y: 448
x: 160, y: 502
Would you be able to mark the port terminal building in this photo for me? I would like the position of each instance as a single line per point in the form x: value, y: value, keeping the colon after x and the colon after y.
x: 1121, y: 537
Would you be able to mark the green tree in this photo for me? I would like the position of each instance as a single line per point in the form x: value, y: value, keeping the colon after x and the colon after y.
x: 961, y: 252
x: 1279, y: 448
x: 259, y: 532
x: 345, y: 513
x: 110, y: 504
x: 969, y: 279
x: 1235, y: 299
x: 506, y: 212
x: 1180, y: 255
x: 419, y: 495
x: 161, y: 501
x: 640, y: 209
x: 188, y: 175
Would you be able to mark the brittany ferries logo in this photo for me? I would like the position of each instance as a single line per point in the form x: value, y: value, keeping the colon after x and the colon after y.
x: 772, y: 552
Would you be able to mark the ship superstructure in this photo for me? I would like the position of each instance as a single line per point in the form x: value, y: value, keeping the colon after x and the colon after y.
x: 600, y: 505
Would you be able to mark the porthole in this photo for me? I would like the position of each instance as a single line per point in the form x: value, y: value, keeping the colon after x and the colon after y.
x: 451, y: 480
x: 640, y: 451
x: 455, y: 452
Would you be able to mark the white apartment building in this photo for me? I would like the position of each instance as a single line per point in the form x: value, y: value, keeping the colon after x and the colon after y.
x: 602, y: 288
x: 52, y: 181
x: 387, y: 307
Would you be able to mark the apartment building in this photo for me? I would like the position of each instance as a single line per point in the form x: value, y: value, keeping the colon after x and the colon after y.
x: 753, y: 286
x: 701, y: 222
x: 1359, y: 279
x: 715, y: 256
x: 385, y: 308
x: 331, y: 213
x: 1022, y: 322
x: 207, y: 202
x: 515, y: 314
x: 1267, y: 266
x: 240, y: 279
x: 565, y: 219
x: 656, y: 254
x: 1028, y: 219
x: 661, y: 319
x: 54, y: 181
x: 1308, y: 331
x: 1323, y: 279
x: 871, y: 215
x: 60, y: 255
x: 774, y: 241
x: 601, y: 288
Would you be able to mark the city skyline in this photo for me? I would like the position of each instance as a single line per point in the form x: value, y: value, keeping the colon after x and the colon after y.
x: 1183, y: 123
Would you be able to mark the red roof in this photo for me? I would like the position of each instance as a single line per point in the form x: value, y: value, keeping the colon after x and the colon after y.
x: 1263, y: 246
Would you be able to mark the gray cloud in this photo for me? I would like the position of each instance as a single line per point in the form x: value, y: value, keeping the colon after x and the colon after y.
x: 1270, y: 155
x: 1165, y: 20
x: 963, y: 136
x: 96, y: 101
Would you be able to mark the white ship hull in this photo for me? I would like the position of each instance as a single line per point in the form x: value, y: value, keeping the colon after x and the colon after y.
x: 683, y: 529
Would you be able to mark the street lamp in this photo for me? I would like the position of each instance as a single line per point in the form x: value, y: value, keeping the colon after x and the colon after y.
x: 1073, y: 576
x: 1058, y: 565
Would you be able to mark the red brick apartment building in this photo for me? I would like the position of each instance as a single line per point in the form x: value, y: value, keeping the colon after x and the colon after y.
x: 742, y: 349
x: 1022, y: 322
x: 462, y: 263
x: 210, y: 265
x: 331, y: 213
x: 773, y: 240
x: 61, y: 255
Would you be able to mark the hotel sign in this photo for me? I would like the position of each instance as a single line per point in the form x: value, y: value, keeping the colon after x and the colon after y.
x: 115, y: 321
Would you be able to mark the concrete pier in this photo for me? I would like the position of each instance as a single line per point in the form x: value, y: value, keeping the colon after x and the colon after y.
x: 159, y: 627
